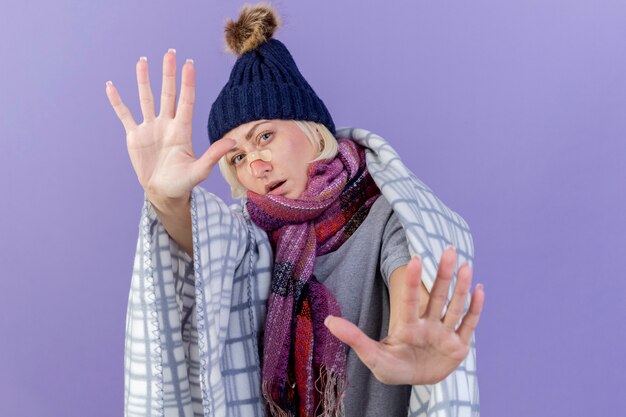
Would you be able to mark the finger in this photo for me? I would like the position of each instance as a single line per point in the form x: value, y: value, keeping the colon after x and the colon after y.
x: 457, y: 304
x: 120, y: 109
x: 439, y: 292
x: 470, y: 321
x: 409, y: 311
x: 168, y: 87
x: 201, y: 168
x: 365, y: 348
x: 146, y: 99
x: 187, y: 98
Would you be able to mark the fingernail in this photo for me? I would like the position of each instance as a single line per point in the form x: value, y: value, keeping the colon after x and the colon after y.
x: 326, y: 320
x: 143, y: 58
x: 171, y: 50
x: 189, y: 60
x: 109, y: 83
x: 481, y: 287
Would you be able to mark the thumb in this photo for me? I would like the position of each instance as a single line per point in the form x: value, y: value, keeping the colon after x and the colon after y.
x: 203, y: 166
x: 365, y: 348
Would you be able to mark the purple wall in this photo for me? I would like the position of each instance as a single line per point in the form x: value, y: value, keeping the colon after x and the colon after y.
x: 513, y: 112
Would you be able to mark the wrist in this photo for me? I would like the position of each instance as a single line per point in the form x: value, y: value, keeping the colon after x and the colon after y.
x: 164, y: 204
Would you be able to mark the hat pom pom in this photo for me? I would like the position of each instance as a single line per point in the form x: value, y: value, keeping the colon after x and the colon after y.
x: 256, y: 24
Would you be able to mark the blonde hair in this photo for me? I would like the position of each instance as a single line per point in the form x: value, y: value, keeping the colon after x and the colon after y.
x: 319, y: 136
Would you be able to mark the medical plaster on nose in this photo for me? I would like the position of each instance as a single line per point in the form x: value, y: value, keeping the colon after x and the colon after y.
x: 265, y: 155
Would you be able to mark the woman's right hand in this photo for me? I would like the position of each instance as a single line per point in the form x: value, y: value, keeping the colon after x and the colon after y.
x: 160, y: 147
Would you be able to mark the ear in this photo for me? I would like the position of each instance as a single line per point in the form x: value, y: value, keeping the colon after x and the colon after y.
x: 321, y: 138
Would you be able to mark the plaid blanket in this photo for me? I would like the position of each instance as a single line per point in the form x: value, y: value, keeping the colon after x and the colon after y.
x: 193, y: 325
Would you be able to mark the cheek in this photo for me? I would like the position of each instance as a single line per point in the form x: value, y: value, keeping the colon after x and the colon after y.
x: 299, y: 163
x: 304, y: 153
x: 244, y: 178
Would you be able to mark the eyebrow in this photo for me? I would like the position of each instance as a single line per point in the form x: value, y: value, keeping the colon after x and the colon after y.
x: 249, y: 134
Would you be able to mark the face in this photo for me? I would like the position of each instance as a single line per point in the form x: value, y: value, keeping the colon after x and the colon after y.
x: 290, y: 152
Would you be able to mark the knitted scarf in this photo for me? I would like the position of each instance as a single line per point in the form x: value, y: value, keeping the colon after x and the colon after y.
x: 304, y: 365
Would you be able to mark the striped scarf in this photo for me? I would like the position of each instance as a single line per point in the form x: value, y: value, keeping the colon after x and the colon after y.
x: 304, y: 365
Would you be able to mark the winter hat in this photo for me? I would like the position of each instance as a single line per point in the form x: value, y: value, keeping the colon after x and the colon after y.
x: 265, y: 82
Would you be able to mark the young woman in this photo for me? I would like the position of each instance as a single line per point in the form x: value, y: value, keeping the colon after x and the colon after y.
x: 243, y: 310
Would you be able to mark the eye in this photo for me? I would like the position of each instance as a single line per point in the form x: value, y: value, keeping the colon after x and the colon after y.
x: 236, y: 160
x: 265, y: 137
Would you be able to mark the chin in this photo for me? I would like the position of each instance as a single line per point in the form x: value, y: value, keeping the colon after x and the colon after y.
x: 293, y: 195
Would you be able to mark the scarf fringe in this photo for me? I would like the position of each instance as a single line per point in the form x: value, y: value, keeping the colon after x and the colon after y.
x: 274, y: 407
x: 330, y: 385
x: 333, y: 389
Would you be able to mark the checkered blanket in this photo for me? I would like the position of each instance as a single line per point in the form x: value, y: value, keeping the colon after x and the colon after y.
x: 193, y: 325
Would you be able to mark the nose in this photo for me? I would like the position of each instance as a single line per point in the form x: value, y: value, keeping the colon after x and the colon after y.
x: 259, y: 168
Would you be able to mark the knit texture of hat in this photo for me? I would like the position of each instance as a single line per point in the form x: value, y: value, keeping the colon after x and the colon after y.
x: 265, y: 82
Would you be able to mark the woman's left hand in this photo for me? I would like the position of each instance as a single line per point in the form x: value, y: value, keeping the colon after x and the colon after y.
x: 420, y: 348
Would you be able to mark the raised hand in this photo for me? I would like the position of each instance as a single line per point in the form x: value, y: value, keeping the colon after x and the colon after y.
x: 160, y: 148
x: 420, y: 349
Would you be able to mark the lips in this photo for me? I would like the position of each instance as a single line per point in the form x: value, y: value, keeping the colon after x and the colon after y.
x: 274, y: 187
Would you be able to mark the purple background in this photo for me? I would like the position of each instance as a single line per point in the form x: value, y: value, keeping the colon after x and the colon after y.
x: 513, y: 112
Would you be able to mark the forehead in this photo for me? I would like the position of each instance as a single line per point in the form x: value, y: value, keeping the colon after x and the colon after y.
x: 245, y: 131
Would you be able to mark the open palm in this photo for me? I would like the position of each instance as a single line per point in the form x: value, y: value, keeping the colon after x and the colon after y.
x: 420, y: 349
x: 160, y: 148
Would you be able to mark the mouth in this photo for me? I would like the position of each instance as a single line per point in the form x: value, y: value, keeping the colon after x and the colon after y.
x: 274, y: 186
